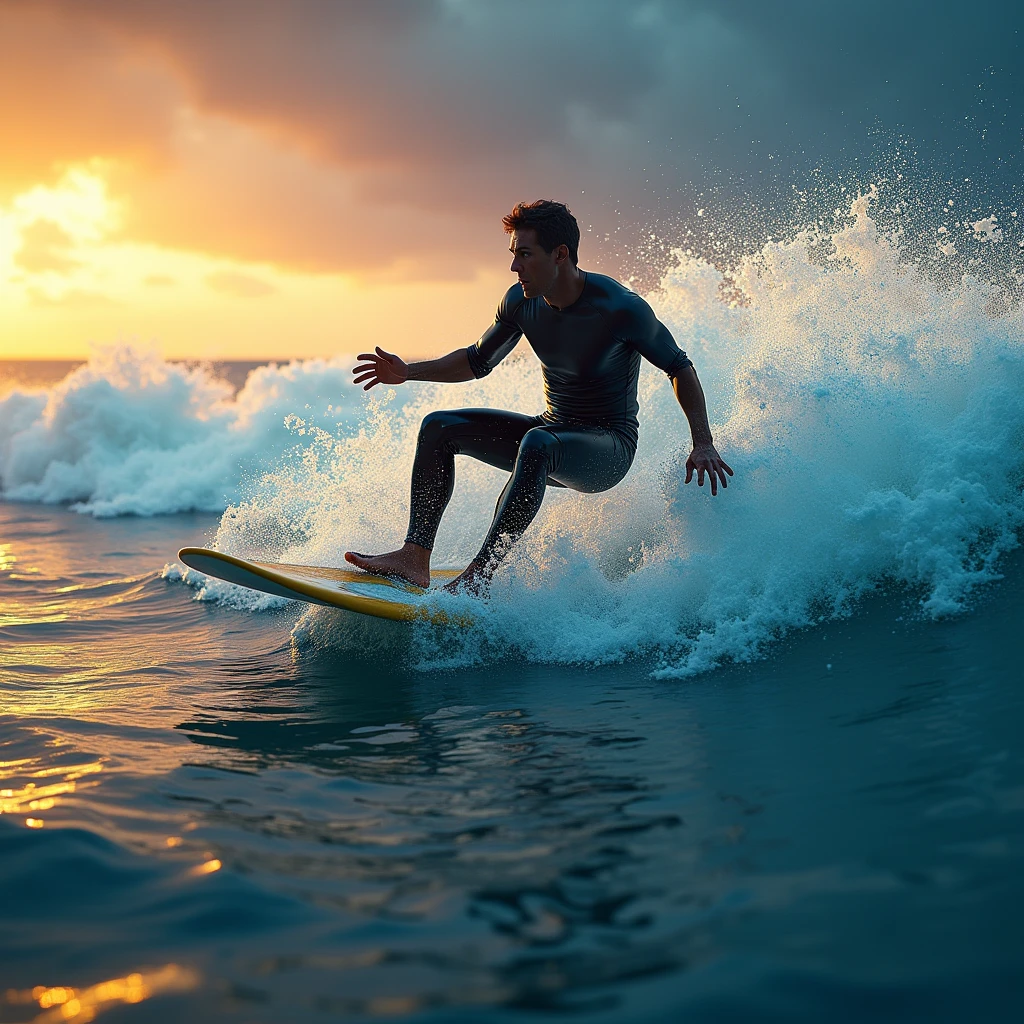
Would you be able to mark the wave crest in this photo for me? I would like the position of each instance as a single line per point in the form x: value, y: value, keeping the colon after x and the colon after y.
x: 873, y: 411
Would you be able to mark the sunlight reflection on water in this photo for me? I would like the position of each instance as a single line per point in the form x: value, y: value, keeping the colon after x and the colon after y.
x: 64, y: 1003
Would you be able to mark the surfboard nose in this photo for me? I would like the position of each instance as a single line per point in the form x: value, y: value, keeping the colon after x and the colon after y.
x: 350, y: 589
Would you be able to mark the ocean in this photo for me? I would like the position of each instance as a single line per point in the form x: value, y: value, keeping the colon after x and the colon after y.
x: 749, y: 758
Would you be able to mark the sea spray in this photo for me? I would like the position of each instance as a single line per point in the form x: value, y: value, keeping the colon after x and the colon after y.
x: 129, y: 433
x: 873, y: 414
x: 871, y: 406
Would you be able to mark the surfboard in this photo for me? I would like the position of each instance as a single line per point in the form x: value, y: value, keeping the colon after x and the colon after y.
x: 351, y: 589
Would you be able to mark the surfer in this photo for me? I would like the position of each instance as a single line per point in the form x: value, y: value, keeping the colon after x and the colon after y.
x: 589, y: 332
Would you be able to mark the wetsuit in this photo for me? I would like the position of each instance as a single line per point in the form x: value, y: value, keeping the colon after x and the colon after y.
x: 586, y: 439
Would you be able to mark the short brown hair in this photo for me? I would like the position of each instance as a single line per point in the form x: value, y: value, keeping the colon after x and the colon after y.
x: 552, y: 222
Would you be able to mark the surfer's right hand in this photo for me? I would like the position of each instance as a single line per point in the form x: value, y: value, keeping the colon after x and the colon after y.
x: 380, y: 367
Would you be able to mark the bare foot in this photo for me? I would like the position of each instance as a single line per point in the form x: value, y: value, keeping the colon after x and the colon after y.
x: 474, y: 579
x: 410, y: 563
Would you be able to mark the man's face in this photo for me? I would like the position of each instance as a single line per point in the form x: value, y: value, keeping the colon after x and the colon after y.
x: 536, y: 269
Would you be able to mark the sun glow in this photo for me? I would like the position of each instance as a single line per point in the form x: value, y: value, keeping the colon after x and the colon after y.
x: 72, y: 278
x: 79, y: 203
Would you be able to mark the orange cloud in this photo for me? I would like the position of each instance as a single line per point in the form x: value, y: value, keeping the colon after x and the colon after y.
x: 44, y: 247
x: 390, y: 137
x: 232, y: 192
x: 69, y: 91
x: 326, y: 158
x: 241, y: 286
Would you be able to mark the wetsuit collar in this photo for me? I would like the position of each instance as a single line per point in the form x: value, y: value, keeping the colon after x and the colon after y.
x: 562, y: 309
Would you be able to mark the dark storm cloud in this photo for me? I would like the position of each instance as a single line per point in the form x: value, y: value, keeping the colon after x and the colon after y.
x: 403, y: 89
x: 468, y: 106
x: 920, y: 68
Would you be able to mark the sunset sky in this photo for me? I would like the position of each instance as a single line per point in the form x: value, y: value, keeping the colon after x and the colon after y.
x: 243, y: 179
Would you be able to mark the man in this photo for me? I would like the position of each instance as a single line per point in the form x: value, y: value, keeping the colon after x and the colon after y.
x: 589, y: 332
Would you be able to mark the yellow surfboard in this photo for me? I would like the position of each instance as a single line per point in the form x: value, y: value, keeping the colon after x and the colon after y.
x: 340, y: 588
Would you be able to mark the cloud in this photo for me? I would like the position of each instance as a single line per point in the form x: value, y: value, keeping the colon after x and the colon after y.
x: 44, y: 247
x: 75, y: 299
x: 231, y: 193
x: 70, y: 91
x: 466, y: 86
x: 390, y: 138
x: 241, y: 286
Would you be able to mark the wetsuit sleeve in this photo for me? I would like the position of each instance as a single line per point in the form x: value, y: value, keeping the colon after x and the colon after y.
x: 652, y: 339
x: 500, y: 338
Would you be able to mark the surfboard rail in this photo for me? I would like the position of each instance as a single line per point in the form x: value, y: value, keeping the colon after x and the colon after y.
x: 325, y: 585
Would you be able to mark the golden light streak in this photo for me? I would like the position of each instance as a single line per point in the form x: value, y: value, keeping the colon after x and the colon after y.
x: 33, y: 797
x: 7, y: 557
x: 37, y: 613
x: 206, y: 868
x: 63, y: 1003
x: 48, y: 997
x: 75, y: 771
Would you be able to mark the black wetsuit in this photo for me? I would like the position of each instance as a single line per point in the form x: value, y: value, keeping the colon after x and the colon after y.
x: 590, y: 355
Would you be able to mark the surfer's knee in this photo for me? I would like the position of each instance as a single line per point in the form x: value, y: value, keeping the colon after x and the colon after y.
x: 434, y: 427
x: 538, y: 446
x: 538, y: 439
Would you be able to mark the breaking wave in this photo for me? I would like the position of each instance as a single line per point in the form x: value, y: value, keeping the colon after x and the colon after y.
x: 872, y: 408
x: 131, y: 434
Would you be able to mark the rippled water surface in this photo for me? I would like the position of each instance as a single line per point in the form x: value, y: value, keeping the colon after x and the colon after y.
x: 207, y: 816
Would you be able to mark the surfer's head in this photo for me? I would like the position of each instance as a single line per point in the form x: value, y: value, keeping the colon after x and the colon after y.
x: 545, y: 242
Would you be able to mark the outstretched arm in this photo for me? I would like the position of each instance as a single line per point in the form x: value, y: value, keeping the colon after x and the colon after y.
x: 704, y: 458
x: 380, y: 367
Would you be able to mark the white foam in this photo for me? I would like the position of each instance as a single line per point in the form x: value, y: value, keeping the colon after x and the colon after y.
x: 987, y: 229
x: 875, y: 421
x: 129, y: 433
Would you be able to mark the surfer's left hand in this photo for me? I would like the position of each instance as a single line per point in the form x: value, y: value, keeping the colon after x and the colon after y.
x: 705, y: 459
x: 380, y: 367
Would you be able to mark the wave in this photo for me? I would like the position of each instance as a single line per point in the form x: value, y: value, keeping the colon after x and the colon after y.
x: 129, y: 433
x: 872, y: 408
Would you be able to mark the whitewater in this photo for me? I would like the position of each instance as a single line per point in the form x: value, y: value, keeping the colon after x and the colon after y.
x: 871, y: 405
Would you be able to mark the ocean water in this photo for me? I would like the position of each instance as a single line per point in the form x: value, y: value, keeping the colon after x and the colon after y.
x: 747, y: 758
